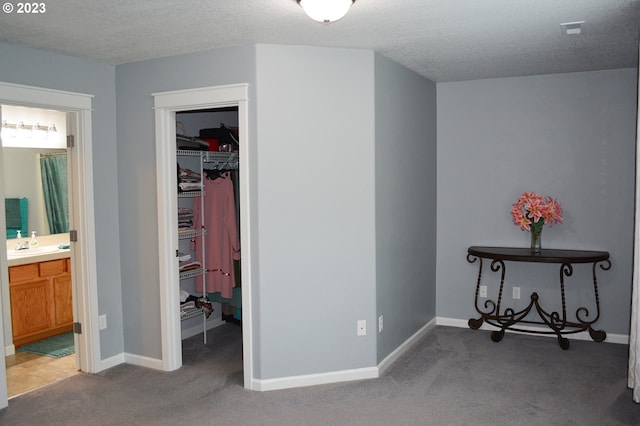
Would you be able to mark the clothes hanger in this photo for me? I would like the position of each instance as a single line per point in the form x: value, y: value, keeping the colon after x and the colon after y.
x: 213, y: 174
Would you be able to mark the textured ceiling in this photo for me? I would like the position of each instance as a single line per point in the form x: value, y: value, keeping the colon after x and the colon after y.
x: 444, y: 40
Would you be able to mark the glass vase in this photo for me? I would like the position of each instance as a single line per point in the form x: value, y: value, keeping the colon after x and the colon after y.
x: 536, y: 240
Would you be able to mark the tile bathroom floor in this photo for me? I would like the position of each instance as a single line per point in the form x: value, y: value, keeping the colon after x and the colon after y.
x: 27, y: 371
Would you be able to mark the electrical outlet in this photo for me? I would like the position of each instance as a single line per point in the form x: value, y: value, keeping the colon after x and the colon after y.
x: 516, y: 292
x: 380, y: 324
x: 483, y: 291
x: 362, y: 328
x: 102, y: 320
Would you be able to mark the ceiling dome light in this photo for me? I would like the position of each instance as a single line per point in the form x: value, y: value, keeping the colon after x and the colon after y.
x: 325, y: 10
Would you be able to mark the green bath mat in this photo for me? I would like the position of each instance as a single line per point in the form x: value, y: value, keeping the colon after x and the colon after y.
x: 54, y: 347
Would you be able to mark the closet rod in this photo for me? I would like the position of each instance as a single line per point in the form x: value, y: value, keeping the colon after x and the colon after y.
x: 222, y: 160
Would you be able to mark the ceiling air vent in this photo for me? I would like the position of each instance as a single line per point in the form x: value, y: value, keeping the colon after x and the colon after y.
x: 572, y: 28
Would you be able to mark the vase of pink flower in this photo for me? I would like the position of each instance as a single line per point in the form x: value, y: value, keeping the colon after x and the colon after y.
x: 532, y: 211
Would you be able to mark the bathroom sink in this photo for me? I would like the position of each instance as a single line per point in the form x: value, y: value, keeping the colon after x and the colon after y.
x: 35, y: 251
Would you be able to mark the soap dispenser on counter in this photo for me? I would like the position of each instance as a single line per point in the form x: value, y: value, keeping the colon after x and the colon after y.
x: 33, y: 242
x: 18, y: 243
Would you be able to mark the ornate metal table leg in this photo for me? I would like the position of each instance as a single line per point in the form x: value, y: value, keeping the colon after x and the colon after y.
x: 474, y: 323
x: 552, y: 320
x: 491, y: 311
x: 563, y: 342
x: 565, y: 270
x: 597, y: 335
x: 497, y: 335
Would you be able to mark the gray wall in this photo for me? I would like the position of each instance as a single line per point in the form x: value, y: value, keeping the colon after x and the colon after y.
x: 314, y: 236
x: 43, y: 69
x: 570, y: 136
x: 316, y: 209
x: 135, y: 82
x: 405, y: 192
x: 313, y: 151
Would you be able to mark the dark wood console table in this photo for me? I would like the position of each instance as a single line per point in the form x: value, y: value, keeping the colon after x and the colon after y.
x: 504, y: 319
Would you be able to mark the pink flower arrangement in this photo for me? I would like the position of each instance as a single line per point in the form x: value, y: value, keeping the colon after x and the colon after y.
x: 532, y: 211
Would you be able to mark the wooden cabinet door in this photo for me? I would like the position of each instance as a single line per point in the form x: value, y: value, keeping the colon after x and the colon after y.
x: 62, y: 300
x: 30, y: 308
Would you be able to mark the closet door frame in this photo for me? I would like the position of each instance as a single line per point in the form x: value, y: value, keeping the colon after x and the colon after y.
x: 166, y: 104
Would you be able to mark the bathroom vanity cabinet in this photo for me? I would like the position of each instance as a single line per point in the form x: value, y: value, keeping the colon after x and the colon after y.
x: 41, y: 300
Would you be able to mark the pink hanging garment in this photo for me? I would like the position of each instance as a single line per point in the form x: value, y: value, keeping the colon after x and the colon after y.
x: 222, y: 245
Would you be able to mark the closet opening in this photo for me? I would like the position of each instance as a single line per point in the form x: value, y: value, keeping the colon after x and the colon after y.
x: 208, y: 182
x: 181, y: 114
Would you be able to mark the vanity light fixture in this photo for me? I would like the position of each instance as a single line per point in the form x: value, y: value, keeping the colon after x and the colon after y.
x: 325, y: 11
x: 28, y: 128
x: 21, y: 135
x: 22, y: 127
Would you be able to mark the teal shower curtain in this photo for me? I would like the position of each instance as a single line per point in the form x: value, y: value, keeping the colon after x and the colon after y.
x: 54, y: 187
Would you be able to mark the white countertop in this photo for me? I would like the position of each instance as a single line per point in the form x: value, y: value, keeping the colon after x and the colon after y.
x: 48, y: 245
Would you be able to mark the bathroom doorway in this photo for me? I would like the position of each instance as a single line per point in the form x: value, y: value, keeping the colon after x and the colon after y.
x: 36, y: 179
x: 81, y: 265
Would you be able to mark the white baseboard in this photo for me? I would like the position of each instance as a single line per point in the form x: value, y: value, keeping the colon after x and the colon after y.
x: 143, y: 361
x: 315, y: 379
x: 393, y: 356
x: 291, y: 381
x: 110, y: 362
x: 583, y: 335
x: 9, y: 350
x: 344, y: 375
x: 156, y: 364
